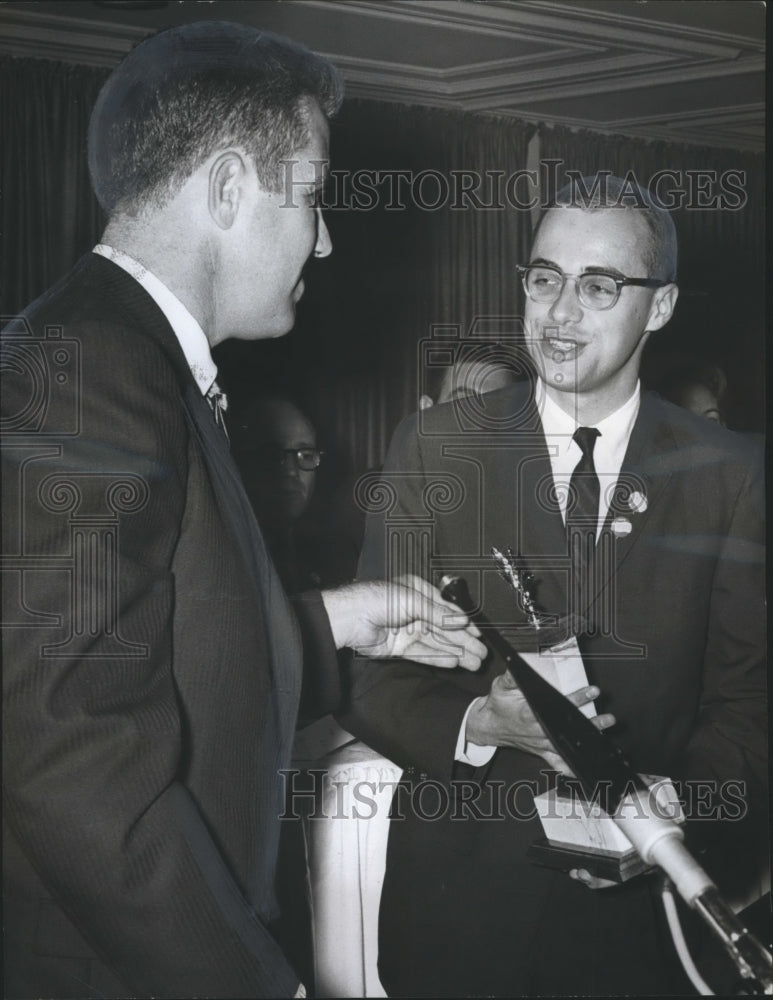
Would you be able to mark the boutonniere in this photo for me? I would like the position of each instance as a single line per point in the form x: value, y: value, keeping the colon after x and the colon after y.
x: 621, y: 526
x: 637, y: 502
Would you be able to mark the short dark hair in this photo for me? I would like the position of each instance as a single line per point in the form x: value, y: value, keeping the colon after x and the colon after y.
x: 603, y: 190
x: 183, y: 93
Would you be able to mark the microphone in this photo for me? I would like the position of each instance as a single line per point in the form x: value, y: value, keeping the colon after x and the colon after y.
x: 606, y: 775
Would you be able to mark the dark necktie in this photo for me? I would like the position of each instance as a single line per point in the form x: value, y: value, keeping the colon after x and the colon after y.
x: 218, y: 404
x: 582, y: 515
x: 582, y: 512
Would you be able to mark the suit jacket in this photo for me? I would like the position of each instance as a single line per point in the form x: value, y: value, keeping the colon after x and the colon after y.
x: 674, y: 639
x: 152, y: 666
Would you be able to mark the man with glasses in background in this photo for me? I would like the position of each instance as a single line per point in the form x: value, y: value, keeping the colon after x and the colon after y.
x: 639, y: 523
x: 275, y: 446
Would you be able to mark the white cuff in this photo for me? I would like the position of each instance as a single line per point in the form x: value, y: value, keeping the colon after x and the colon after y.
x: 471, y: 753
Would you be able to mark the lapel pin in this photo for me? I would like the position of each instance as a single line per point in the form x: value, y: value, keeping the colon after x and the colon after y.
x: 621, y: 526
x: 637, y: 502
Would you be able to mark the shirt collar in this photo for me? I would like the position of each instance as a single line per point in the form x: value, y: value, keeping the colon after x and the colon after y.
x: 555, y: 422
x: 192, y: 338
x: 615, y: 429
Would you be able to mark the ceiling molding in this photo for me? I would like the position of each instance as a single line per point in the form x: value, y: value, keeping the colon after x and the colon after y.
x: 635, y: 22
x: 730, y: 133
x: 526, y: 19
x: 465, y: 85
x: 454, y: 54
x: 635, y: 81
x: 68, y: 39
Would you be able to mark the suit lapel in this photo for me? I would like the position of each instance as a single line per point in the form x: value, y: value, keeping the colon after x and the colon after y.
x: 534, y: 520
x: 519, y: 511
x: 281, y: 632
x: 644, y: 475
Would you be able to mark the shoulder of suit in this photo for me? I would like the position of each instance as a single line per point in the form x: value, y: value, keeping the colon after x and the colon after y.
x: 500, y: 410
x: 105, y: 310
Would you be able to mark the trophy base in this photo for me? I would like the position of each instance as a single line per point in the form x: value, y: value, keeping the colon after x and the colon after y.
x: 617, y: 866
x: 579, y: 834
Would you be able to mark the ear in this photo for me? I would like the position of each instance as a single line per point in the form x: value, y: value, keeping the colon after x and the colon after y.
x: 226, y: 179
x: 662, y: 308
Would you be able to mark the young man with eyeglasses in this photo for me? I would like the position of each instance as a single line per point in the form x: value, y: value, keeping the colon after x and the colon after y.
x: 639, y: 523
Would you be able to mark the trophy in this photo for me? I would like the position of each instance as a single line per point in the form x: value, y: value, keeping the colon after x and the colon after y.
x: 579, y: 832
x: 613, y: 791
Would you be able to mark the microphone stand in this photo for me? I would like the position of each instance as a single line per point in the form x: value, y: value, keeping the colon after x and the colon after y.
x: 605, y: 774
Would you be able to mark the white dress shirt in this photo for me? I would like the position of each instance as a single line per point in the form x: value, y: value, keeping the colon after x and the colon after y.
x: 608, y: 453
x: 564, y: 666
x: 192, y: 338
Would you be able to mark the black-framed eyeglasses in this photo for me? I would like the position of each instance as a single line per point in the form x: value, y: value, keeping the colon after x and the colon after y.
x: 595, y: 289
x: 307, y: 459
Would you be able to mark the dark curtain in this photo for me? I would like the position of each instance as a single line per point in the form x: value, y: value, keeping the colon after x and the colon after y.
x: 719, y: 213
x: 49, y: 214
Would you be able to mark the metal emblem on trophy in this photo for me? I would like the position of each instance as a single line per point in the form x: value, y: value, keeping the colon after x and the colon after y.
x: 519, y: 580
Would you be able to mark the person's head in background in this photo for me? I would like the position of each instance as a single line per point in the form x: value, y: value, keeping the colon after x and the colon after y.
x: 696, y: 385
x: 275, y: 446
x: 471, y: 376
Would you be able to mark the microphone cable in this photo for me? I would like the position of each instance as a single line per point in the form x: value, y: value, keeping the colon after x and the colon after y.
x: 677, y: 936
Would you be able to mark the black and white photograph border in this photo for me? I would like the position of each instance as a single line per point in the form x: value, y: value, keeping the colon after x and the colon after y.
x: 461, y: 121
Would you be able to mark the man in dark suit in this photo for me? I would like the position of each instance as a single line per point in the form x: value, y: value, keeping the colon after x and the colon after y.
x: 152, y: 663
x: 665, y: 577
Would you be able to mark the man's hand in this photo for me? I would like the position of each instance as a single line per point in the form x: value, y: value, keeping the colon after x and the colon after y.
x: 504, y: 719
x: 595, y: 881
x: 407, y: 618
x: 592, y: 881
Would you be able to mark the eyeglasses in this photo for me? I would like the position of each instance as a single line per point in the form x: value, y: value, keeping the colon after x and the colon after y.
x: 307, y: 459
x: 595, y: 289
